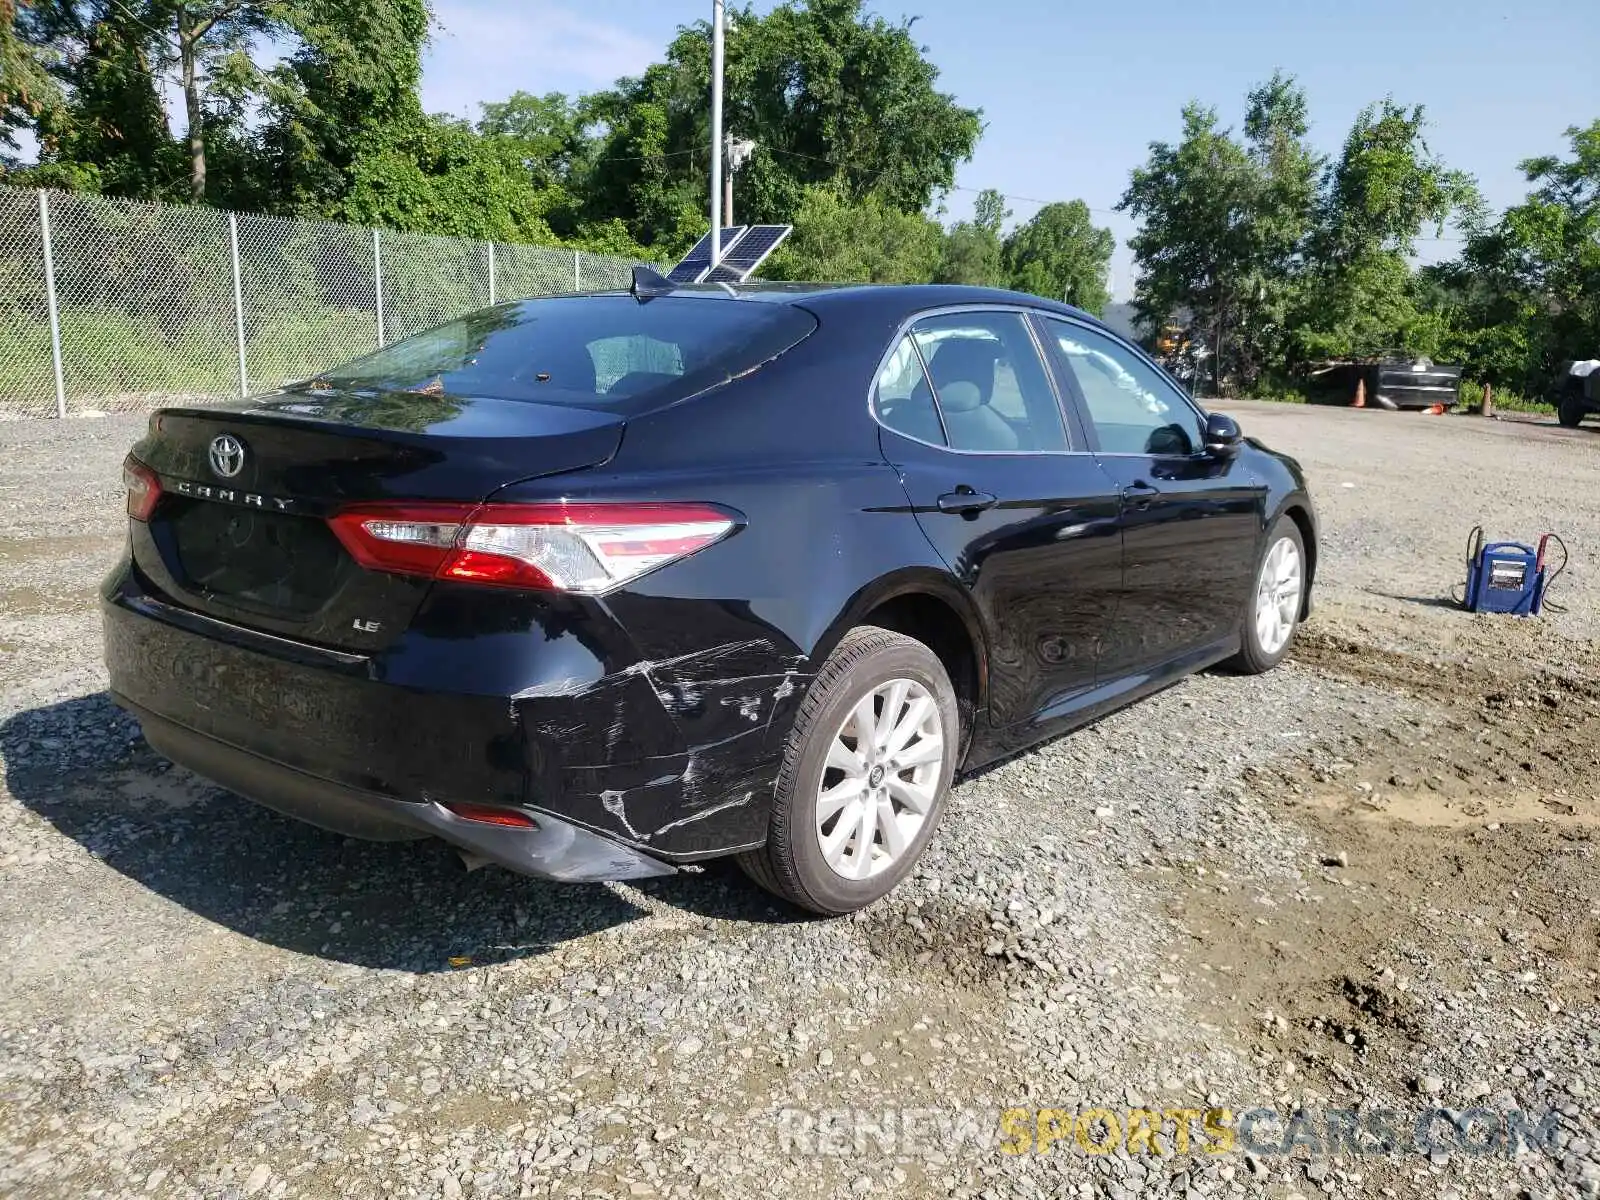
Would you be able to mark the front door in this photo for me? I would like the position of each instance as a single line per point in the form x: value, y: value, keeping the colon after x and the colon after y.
x: 1191, y: 521
x: 1019, y: 511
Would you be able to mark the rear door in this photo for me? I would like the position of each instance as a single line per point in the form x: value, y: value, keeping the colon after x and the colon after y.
x: 1023, y: 516
x: 1191, y: 522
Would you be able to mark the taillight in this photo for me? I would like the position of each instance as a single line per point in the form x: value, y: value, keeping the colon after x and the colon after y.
x: 571, y: 547
x: 486, y: 814
x: 144, y: 489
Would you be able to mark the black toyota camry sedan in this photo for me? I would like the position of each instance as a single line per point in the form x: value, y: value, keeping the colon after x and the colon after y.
x: 597, y: 586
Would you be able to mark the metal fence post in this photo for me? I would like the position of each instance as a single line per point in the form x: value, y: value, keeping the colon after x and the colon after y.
x: 491, y: 272
x: 50, y: 299
x: 577, y: 271
x: 377, y: 284
x: 238, y: 302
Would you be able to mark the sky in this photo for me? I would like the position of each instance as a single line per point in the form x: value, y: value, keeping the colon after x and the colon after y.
x: 1073, y: 93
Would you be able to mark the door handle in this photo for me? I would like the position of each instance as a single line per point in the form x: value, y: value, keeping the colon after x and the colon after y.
x: 1139, y: 494
x: 965, y: 500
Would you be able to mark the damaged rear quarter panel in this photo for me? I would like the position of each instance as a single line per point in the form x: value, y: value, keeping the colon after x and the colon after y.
x: 722, y: 645
x: 728, y: 643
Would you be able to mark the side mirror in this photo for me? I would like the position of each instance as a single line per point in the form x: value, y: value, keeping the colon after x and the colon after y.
x: 1222, y: 436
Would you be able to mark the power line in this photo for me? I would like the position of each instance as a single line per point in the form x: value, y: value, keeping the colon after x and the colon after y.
x: 1108, y: 212
x: 653, y: 157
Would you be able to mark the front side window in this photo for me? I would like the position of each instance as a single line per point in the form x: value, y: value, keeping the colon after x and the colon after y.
x: 991, y: 388
x: 1133, y: 409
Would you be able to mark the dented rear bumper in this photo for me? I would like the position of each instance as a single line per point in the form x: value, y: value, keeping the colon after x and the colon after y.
x: 548, y: 848
x: 550, y: 711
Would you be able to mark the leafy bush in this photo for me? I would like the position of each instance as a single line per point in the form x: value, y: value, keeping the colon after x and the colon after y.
x: 1472, y: 398
x: 1276, y: 387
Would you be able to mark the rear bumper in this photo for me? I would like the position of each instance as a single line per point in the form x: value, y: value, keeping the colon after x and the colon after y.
x: 555, y: 849
x: 661, y: 762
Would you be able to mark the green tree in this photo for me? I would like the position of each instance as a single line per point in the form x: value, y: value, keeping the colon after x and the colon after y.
x: 210, y: 40
x: 1359, y: 295
x: 439, y: 176
x: 1524, y: 296
x: 108, y: 58
x: 1198, y: 204
x: 972, y: 249
x: 865, y: 241
x: 1062, y: 254
x: 829, y: 95
x: 1224, y: 222
x: 29, y: 93
x: 99, y: 121
x: 349, y: 90
x: 1275, y: 127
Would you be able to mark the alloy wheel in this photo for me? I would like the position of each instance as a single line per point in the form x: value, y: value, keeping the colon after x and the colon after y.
x: 880, y: 780
x: 1278, y: 595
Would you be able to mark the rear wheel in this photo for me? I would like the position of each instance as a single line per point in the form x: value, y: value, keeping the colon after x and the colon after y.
x: 865, y: 775
x: 1276, y: 601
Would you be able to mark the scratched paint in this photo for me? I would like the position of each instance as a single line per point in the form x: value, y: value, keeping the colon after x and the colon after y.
x: 612, y: 802
x: 649, y: 784
x: 737, y: 802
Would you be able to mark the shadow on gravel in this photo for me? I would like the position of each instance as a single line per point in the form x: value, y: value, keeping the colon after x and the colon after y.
x: 1424, y: 601
x: 83, y: 766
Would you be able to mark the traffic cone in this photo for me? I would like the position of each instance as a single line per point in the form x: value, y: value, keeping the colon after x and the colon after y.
x: 1435, y: 410
x: 1361, y: 394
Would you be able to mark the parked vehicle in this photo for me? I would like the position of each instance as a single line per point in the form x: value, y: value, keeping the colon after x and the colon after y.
x: 1392, y: 380
x: 598, y: 586
x: 1577, y: 391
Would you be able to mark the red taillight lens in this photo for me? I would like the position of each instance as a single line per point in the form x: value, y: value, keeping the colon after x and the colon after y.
x: 586, y: 548
x: 144, y: 489
x: 485, y: 814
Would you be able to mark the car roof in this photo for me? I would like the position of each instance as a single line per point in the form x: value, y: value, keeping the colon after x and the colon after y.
x: 897, y: 299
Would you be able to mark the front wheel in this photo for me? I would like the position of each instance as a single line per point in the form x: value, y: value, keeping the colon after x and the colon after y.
x: 1276, y: 601
x: 864, y: 777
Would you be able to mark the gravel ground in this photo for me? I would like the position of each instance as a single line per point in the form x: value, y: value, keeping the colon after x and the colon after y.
x: 1365, y: 881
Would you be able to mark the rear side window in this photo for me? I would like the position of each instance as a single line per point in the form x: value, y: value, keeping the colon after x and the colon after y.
x: 606, y: 352
x: 990, y: 385
x: 905, y: 397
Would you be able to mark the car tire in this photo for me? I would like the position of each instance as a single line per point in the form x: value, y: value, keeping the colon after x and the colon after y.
x: 1572, y: 408
x: 1272, y: 612
x: 826, y: 866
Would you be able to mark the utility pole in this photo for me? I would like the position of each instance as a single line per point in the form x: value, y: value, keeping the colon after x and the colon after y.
x: 716, y: 131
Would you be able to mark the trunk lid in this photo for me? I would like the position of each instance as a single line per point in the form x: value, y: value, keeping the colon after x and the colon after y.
x: 241, y: 533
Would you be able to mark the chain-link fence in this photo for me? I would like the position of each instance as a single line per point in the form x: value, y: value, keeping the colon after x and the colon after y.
x: 109, y: 305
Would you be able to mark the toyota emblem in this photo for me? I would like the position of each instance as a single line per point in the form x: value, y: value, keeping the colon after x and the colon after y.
x: 227, y: 455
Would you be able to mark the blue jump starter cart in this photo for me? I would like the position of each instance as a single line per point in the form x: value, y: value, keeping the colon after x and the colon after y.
x: 1508, y: 577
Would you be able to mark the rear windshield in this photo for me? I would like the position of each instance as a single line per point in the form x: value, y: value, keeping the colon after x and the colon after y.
x: 608, y: 352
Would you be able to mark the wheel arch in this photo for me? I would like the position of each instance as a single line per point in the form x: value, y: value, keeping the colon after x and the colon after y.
x: 934, y: 609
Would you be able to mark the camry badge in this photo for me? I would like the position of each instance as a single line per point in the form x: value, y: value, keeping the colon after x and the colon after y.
x: 227, y: 455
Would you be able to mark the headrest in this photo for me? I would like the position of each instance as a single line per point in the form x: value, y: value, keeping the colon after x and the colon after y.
x: 960, y: 396
x: 967, y: 359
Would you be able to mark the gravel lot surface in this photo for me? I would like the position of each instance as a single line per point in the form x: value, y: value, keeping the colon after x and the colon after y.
x: 1368, y: 880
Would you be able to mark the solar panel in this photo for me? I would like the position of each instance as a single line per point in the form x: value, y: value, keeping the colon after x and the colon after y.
x: 749, y: 252
x: 698, y: 261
